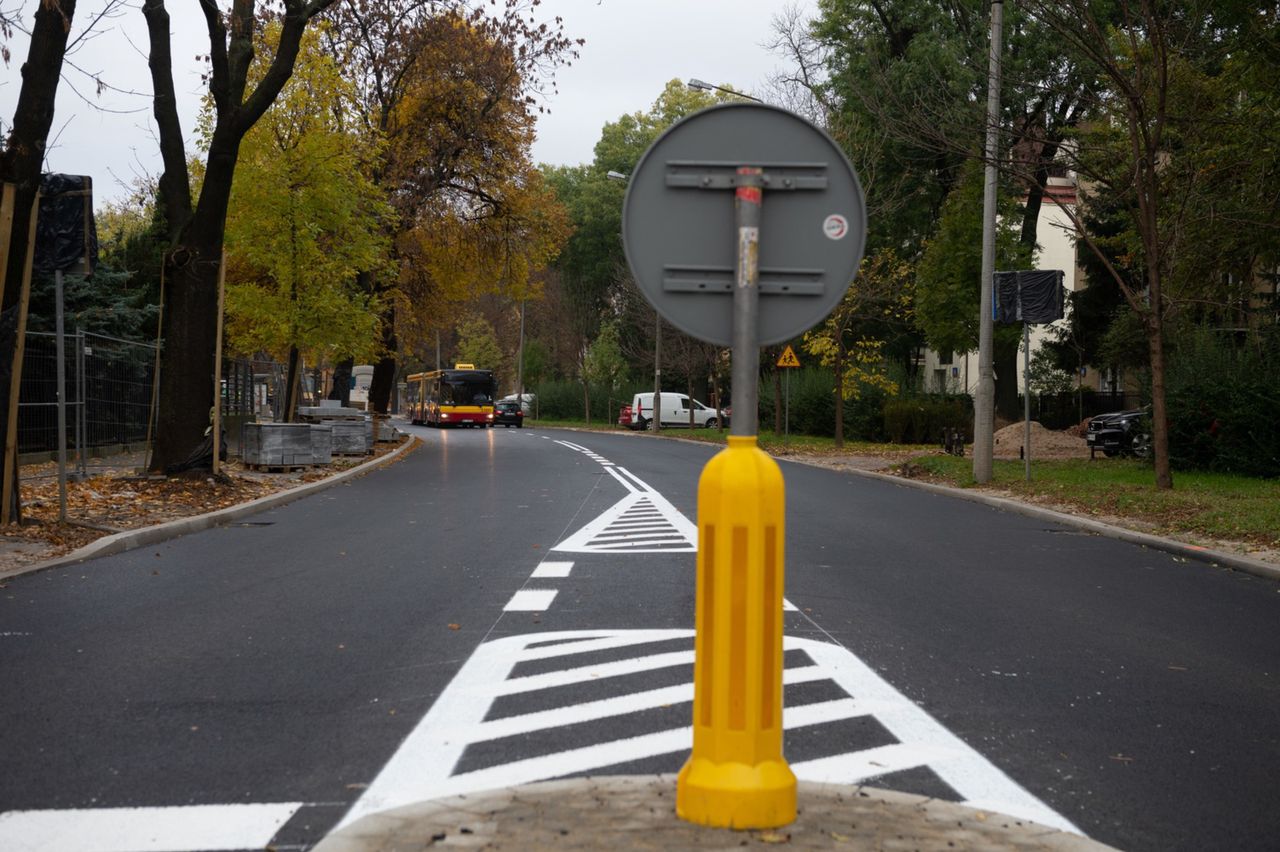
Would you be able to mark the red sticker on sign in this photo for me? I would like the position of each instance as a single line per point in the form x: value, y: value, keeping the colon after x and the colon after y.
x: 835, y: 227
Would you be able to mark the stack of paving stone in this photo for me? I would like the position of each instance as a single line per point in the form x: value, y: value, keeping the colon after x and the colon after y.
x: 276, y: 445
x: 349, y: 432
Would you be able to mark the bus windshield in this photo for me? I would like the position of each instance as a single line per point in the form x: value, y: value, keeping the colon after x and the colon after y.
x: 466, y: 392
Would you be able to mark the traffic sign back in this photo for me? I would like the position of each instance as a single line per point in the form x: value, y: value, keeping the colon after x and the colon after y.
x: 678, y: 221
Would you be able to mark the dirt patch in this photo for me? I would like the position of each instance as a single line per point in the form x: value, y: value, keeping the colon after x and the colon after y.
x: 1045, y: 443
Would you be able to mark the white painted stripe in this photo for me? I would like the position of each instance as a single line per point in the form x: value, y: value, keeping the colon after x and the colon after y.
x: 531, y: 600
x: 787, y: 606
x: 624, y: 482
x: 624, y: 750
x: 606, y: 707
x: 858, y: 766
x: 190, y: 828
x: 565, y: 677
x: 590, y: 641
x: 423, y: 766
x: 644, y: 486
x: 552, y: 569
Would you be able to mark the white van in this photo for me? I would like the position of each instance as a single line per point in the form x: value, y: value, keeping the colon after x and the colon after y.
x: 675, y: 411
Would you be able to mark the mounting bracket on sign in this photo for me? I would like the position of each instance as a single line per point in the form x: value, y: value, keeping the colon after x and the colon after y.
x: 719, y: 279
x: 718, y: 174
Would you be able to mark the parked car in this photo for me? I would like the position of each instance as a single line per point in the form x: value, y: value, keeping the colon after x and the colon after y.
x: 1120, y: 433
x: 507, y: 413
x: 676, y: 408
x: 526, y: 401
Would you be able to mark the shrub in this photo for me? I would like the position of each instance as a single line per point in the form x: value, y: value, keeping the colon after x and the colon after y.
x: 1223, y: 403
x: 921, y: 419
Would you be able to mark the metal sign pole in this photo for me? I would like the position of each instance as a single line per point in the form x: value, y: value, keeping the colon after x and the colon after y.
x: 746, y: 301
x: 786, y: 417
x: 674, y: 233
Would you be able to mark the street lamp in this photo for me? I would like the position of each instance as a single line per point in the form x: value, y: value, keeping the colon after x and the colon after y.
x: 695, y: 83
x: 657, y: 341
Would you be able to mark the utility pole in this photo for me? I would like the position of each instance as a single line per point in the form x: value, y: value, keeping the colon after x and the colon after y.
x: 520, y: 361
x: 984, y: 402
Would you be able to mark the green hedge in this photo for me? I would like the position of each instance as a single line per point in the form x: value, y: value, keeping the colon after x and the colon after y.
x: 1223, y: 400
x: 922, y: 419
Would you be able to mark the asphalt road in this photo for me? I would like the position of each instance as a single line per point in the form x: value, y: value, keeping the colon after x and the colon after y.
x: 515, y: 605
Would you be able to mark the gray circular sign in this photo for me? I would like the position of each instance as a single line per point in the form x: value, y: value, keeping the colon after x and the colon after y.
x: 678, y: 221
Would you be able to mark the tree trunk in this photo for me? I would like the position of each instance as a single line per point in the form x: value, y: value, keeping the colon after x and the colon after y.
x: 383, y: 381
x: 839, y: 370
x: 341, y: 388
x: 20, y: 165
x: 1159, y: 415
x: 293, y: 384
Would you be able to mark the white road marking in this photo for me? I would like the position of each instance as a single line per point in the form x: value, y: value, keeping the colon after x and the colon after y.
x: 423, y: 766
x: 531, y: 600
x: 641, y: 522
x: 190, y: 828
x: 788, y: 606
x: 552, y: 569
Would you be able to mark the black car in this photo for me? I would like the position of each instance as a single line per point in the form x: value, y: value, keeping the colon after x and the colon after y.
x: 508, y: 413
x: 1121, y: 433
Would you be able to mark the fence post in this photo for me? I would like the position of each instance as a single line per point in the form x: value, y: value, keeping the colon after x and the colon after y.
x: 82, y: 429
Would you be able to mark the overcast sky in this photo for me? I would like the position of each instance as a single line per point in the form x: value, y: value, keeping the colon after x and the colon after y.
x: 633, y: 48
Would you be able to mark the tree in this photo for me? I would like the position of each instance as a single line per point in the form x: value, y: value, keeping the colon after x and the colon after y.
x: 603, y: 364
x: 305, y: 219
x: 450, y: 85
x: 1160, y: 120
x: 20, y: 165
x: 902, y: 84
x: 882, y: 289
x: 477, y: 343
x: 196, y: 230
x: 949, y: 273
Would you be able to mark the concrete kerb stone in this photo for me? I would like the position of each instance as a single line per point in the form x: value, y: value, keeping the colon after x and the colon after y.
x: 1218, y: 558
x: 638, y: 812
x: 132, y: 539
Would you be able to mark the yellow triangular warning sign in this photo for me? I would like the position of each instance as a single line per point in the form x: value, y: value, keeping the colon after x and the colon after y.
x: 788, y: 358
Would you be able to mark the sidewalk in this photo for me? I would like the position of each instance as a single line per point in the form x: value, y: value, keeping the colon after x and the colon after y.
x: 636, y: 812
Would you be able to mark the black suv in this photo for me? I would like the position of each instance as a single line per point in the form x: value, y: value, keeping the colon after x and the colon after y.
x: 508, y: 413
x: 1121, y: 433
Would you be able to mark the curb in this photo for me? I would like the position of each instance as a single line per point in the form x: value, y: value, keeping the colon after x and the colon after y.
x: 1215, y: 558
x: 131, y: 539
x: 633, y: 812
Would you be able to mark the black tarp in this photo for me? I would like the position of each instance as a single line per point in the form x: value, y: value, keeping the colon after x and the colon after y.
x: 1028, y: 295
x: 66, y: 238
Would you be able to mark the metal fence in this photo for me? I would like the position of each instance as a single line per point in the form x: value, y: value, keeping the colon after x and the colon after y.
x: 107, y: 399
x: 1058, y: 411
x: 109, y: 393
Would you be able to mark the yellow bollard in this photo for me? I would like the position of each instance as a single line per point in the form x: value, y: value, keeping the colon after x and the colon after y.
x: 736, y: 776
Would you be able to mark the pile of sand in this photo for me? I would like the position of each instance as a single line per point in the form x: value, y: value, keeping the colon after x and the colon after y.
x: 1045, y: 443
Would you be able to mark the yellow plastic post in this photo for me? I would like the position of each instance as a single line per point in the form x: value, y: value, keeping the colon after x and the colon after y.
x: 736, y: 776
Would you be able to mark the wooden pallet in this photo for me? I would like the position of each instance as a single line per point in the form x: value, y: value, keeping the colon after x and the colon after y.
x: 277, y: 468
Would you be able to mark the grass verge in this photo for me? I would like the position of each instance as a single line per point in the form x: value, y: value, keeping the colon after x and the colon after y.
x: 1215, y: 506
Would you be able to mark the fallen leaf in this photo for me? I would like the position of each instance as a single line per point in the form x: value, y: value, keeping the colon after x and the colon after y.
x: 774, y: 837
x: 455, y: 626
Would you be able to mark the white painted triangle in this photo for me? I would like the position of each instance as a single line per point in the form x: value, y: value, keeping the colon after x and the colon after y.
x: 641, y: 522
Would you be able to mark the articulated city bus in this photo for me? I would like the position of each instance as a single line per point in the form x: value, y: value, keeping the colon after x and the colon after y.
x: 461, y: 396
